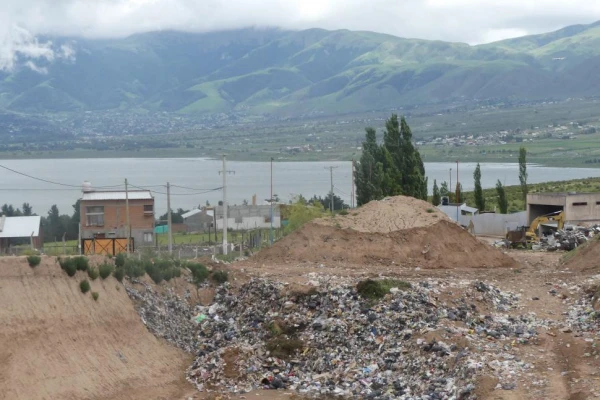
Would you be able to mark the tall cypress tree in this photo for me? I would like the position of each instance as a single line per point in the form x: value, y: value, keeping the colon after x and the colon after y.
x: 478, y: 191
x: 369, y: 175
x: 502, y: 200
x: 523, y: 172
x: 436, y: 199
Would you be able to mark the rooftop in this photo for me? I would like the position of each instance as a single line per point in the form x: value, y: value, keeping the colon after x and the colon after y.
x: 564, y: 194
x: 16, y: 227
x: 117, y: 195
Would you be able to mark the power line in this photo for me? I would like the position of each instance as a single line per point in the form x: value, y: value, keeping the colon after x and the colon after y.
x: 49, y: 181
x: 177, y: 194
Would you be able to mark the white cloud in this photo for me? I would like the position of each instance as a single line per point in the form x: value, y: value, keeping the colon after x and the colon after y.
x: 472, y: 21
x: 32, y: 66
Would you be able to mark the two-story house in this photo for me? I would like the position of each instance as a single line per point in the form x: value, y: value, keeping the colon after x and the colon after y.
x: 103, y: 220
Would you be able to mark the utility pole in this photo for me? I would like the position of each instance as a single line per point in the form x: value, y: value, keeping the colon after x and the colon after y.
x: 169, y: 221
x: 352, y: 192
x: 128, y: 231
x: 450, y: 187
x: 271, y: 202
x: 224, y: 172
x: 457, y: 192
x: 331, y: 192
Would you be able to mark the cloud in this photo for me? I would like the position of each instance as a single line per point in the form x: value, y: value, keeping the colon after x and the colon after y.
x: 471, y: 21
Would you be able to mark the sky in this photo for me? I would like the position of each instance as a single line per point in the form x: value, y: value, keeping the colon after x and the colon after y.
x: 471, y: 21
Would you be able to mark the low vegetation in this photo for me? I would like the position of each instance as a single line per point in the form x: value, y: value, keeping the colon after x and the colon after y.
x: 105, y: 269
x: 34, y: 260
x: 220, y: 276
x: 84, y: 285
x: 119, y: 274
x: 377, y: 289
x: 284, y: 348
x: 95, y: 296
x: 93, y: 273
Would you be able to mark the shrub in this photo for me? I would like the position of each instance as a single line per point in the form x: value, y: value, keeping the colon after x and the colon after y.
x: 105, y: 270
x: 119, y: 274
x: 430, y: 210
x: 120, y: 260
x: 133, y: 268
x: 84, y: 285
x: 371, y: 289
x: 34, y: 261
x: 199, y: 272
x: 92, y: 273
x: 343, y: 212
x: 220, y: 276
x: 154, y: 272
x: 69, y: 266
x: 81, y: 263
x: 95, y: 296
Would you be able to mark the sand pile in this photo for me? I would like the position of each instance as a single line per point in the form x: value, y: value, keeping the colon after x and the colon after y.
x: 57, y: 343
x: 398, y: 231
x: 586, y: 257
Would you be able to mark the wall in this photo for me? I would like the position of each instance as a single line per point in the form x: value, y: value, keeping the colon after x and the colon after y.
x: 249, y: 217
x: 199, y: 222
x: 494, y: 224
x: 589, y: 212
x: 543, y: 203
x: 249, y: 223
x: 115, y: 220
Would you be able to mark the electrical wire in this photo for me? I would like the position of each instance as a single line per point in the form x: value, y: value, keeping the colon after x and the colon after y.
x: 190, y: 188
x: 178, y: 194
x: 341, y: 191
x: 49, y: 181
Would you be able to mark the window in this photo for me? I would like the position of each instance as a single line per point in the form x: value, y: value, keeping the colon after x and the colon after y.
x: 582, y: 203
x: 148, y: 237
x: 148, y: 209
x: 94, y: 215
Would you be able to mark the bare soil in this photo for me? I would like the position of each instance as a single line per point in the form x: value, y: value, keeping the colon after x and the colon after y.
x: 586, y: 257
x: 58, y: 343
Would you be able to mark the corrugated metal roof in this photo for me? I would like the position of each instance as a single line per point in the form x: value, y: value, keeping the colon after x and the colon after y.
x: 118, y: 195
x: 15, y: 227
x: 191, y: 213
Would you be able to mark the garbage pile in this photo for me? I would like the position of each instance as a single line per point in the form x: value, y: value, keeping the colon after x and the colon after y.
x: 166, y: 315
x: 567, y: 239
x: 333, y: 341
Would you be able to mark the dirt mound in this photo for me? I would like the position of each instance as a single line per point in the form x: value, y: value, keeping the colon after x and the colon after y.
x: 57, y: 343
x: 388, y: 215
x: 585, y: 258
x: 442, y: 245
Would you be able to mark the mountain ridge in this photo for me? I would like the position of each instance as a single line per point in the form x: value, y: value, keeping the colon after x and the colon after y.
x: 278, y: 72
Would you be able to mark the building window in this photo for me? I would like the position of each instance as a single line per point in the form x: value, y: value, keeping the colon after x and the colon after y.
x: 239, y: 220
x: 94, y: 215
x: 148, y: 209
x: 148, y: 237
x: 268, y: 219
x: 582, y: 203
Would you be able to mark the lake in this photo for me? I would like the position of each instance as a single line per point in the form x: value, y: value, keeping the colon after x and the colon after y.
x: 198, y: 176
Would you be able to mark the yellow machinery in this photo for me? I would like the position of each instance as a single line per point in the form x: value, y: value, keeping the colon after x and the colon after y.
x: 527, y: 235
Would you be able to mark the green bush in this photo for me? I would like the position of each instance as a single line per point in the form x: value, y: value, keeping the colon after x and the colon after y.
x: 220, y: 276
x: 92, y: 273
x: 69, y: 266
x: 95, y: 296
x: 199, y: 272
x: 82, y: 263
x: 84, y: 285
x: 119, y: 274
x: 120, y: 260
x: 34, y: 260
x: 343, y: 212
x: 105, y: 270
x: 154, y: 271
x: 133, y: 268
x: 371, y: 289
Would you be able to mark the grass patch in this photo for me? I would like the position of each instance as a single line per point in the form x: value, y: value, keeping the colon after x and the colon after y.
x: 95, y: 296
x: 430, y: 210
x: 84, y: 285
x: 199, y: 272
x: 220, y: 276
x: 371, y: 289
x: 93, y: 273
x: 34, y: 260
x: 343, y: 212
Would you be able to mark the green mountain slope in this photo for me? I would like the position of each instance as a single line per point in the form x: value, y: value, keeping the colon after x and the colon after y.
x: 297, y: 72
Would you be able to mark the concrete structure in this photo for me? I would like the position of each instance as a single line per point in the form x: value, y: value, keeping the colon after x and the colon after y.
x: 103, y: 215
x: 579, y: 208
x: 199, y: 220
x: 463, y: 209
x: 249, y: 217
x: 21, y: 230
x: 492, y: 224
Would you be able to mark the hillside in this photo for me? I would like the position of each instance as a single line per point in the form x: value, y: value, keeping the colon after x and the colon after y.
x: 299, y: 72
x: 57, y: 343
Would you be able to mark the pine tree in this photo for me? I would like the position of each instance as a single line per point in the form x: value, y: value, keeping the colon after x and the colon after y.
x: 478, y: 191
x: 436, y: 198
x: 458, y: 193
x: 523, y: 172
x: 502, y: 200
x: 369, y: 171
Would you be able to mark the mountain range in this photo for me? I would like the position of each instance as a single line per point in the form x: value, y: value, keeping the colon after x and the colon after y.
x: 278, y: 72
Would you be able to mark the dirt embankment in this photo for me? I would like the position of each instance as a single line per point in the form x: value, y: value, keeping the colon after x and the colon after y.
x: 57, y: 343
x: 399, y: 231
x: 585, y: 258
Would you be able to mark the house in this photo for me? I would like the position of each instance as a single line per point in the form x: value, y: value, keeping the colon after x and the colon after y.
x: 249, y: 217
x: 579, y: 208
x: 103, y: 223
x: 17, y: 230
x: 199, y: 220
